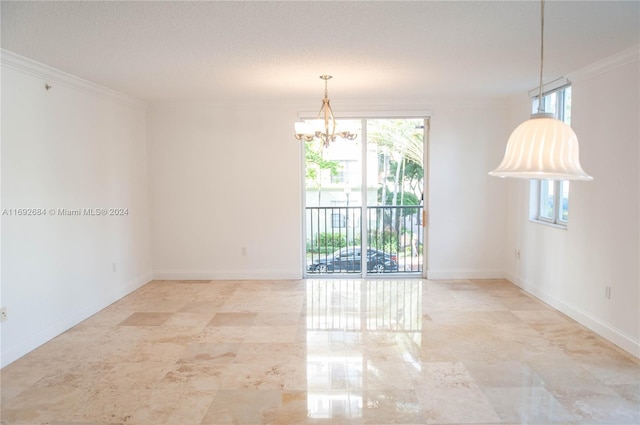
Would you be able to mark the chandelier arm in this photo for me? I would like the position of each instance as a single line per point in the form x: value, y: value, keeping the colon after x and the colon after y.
x: 328, y: 117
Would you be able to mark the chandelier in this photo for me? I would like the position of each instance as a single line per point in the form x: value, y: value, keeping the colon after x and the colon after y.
x: 542, y: 147
x: 324, y: 126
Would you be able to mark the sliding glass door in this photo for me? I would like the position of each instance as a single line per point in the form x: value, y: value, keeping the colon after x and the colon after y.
x: 364, y: 200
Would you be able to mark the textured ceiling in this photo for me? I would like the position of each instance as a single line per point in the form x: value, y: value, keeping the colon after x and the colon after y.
x: 165, y: 51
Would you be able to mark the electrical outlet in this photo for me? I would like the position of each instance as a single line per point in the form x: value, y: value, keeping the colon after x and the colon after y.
x: 3, y: 314
x: 607, y: 292
x: 517, y: 254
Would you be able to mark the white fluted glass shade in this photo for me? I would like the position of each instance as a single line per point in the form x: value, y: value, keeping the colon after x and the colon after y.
x: 542, y: 148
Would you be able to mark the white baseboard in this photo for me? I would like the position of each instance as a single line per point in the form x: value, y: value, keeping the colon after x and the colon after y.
x: 32, y: 342
x: 457, y: 274
x: 603, y: 329
x: 512, y: 278
x: 226, y: 275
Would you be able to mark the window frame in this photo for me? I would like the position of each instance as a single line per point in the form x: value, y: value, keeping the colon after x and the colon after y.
x: 538, y: 200
x: 543, y: 197
x: 338, y: 220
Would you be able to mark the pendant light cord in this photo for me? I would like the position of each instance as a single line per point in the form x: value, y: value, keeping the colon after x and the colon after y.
x: 540, y: 100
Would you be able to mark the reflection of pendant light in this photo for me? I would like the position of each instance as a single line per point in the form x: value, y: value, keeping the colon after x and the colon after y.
x: 543, y: 147
x: 323, y: 127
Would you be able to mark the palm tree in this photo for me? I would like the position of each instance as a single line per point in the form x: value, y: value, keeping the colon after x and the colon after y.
x: 400, y: 143
x: 400, y: 140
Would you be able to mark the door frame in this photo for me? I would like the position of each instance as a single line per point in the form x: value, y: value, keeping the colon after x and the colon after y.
x: 364, y: 116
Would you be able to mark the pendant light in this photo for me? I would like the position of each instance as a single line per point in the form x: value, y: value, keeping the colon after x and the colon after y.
x: 542, y: 147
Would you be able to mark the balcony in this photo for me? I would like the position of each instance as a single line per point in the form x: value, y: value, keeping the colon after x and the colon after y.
x: 394, y: 239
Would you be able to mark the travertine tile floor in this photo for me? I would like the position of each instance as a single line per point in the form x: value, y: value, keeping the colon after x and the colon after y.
x: 324, y: 352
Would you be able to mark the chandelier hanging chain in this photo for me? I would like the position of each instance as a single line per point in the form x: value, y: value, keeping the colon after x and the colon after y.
x: 326, y: 79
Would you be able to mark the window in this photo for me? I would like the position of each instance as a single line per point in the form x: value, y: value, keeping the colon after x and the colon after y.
x: 338, y: 221
x: 550, y: 202
x: 345, y: 170
x: 550, y: 198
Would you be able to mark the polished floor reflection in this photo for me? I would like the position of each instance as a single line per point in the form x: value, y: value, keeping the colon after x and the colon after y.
x: 324, y: 352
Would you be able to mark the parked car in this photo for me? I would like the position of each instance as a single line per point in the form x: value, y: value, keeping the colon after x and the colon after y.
x: 349, y: 260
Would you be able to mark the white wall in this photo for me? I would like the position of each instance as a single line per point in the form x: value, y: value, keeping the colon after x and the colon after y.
x: 74, y: 146
x: 223, y: 178
x: 571, y: 268
x: 228, y: 176
x: 467, y: 206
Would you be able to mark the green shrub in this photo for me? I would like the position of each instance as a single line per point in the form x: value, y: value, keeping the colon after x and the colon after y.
x: 327, y: 243
x: 386, y: 240
x: 336, y: 240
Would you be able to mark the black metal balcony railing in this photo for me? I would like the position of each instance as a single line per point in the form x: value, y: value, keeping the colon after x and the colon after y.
x: 394, y: 239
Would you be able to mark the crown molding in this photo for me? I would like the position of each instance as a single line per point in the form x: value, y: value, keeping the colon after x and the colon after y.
x: 53, y: 76
x: 609, y: 63
x: 400, y: 108
x: 369, y: 114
